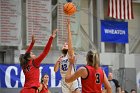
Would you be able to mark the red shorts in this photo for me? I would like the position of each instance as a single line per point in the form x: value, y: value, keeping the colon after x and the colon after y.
x: 29, y: 90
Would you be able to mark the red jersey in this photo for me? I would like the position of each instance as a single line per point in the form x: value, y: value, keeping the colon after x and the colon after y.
x: 44, y: 89
x: 93, y: 82
x: 31, y: 70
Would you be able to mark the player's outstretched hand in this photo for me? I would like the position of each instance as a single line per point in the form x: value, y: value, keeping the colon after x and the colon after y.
x: 54, y: 33
x: 33, y: 38
x: 59, y: 59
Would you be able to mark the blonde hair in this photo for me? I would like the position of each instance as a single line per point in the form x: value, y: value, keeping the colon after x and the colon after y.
x: 93, y: 58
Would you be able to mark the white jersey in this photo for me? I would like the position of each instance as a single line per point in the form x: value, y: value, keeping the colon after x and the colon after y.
x: 64, y: 64
x: 113, y: 86
x: 67, y: 87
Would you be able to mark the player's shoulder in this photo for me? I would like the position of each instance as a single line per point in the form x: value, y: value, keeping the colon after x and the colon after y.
x: 82, y: 68
x: 60, y: 57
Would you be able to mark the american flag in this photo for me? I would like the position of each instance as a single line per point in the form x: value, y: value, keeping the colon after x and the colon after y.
x: 120, y: 9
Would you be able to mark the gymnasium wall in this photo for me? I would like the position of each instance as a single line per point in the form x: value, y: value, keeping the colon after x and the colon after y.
x: 125, y: 67
x: 134, y: 30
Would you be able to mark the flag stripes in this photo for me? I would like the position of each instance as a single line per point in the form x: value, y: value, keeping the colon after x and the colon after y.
x: 120, y: 9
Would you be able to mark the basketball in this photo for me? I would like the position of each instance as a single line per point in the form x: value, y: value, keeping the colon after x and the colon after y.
x: 69, y: 8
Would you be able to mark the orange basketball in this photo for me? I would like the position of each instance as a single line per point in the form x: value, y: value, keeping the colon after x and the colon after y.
x: 69, y: 8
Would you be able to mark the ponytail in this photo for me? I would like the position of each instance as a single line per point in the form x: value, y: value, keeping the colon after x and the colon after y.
x: 93, y: 58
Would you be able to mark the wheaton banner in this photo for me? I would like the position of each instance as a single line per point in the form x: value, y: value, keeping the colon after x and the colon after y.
x: 114, y: 31
x: 11, y: 75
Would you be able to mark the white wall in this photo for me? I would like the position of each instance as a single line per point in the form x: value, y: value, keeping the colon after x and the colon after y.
x: 137, y: 65
x: 110, y: 59
x: 125, y: 61
x: 134, y: 29
x: 84, y: 22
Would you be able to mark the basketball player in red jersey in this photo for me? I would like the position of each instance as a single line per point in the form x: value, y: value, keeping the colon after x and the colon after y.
x: 92, y: 76
x: 44, y: 84
x: 30, y: 65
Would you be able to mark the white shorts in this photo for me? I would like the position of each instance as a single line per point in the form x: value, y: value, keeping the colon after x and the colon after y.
x: 69, y: 87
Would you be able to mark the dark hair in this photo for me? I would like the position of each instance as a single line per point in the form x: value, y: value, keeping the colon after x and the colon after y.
x: 125, y: 91
x: 133, y: 90
x: 23, y: 58
x: 43, y: 77
x: 92, y: 58
x: 64, y: 51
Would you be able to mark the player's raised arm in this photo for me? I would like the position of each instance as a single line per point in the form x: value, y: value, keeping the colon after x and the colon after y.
x: 46, y: 50
x: 57, y: 64
x: 70, y: 48
x: 31, y: 45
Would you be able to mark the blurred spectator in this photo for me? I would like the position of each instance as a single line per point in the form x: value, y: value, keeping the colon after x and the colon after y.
x: 44, y: 84
x: 133, y: 91
x: 124, y: 91
x: 114, y: 84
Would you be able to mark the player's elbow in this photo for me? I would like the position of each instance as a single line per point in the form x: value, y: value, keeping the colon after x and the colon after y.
x: 109, y: 89
x: 55, y: 69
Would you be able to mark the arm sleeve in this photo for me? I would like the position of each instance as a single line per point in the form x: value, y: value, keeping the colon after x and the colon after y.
x: 38, y: 60
x: 30, y: 47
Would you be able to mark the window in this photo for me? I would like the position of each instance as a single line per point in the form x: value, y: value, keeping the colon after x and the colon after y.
x: 2, y: 56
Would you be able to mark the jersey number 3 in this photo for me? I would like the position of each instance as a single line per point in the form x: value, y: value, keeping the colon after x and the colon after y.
x: 97, y: 78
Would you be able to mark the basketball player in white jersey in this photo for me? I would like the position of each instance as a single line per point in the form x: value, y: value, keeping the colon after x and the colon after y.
x: 63, y: 63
